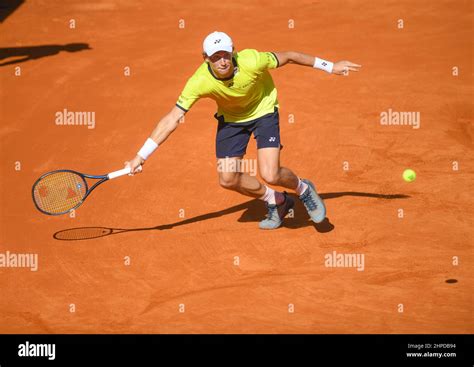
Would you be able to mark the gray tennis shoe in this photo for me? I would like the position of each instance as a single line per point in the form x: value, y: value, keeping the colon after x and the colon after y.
x: 313, y: 203
x: 276, y: 213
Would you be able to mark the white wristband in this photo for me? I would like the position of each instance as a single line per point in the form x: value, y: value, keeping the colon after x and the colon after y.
x: 323, y: 65
x: 147, y: 148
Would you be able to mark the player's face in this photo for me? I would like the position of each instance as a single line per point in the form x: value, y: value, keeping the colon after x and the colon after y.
x: 221, y: 63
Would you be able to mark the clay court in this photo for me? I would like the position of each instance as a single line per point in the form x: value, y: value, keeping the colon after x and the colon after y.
x: 190, y: 257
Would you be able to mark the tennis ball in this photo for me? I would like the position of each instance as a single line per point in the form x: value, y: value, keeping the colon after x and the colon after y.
x: 409, y: 175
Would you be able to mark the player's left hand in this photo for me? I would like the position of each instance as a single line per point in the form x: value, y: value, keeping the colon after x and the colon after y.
x: 344, y: 67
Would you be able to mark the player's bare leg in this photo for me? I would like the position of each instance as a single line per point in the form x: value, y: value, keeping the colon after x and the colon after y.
x: 273, y: 174
x: 271, y: 171
x: 278, y: 203
x: 231, y: 179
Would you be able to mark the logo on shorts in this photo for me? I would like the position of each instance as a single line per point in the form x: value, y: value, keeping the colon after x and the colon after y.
x: 272, y: 139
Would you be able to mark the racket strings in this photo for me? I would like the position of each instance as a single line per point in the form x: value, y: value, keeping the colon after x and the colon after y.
x: 59, y: 192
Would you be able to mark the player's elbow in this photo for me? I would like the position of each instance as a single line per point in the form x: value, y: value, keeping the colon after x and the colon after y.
x: 172, y: 122
x: 176, y: 115
x: 292, y: 56
x: 285, y: 57
x: 172, y: 119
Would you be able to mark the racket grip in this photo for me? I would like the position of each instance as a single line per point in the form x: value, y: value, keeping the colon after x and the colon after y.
x: 121, y: 172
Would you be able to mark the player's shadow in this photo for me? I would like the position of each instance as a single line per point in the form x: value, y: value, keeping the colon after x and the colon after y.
x: 8, y: 7
x: 22, y: 54
x: 298, y: 218
x: 253, y: 211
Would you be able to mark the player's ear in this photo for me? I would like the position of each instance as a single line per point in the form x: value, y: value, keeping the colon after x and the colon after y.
x: 204, y: 56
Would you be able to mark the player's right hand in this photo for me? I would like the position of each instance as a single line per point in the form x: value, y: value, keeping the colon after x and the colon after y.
x: 135, y: 164
x: 344, y: 67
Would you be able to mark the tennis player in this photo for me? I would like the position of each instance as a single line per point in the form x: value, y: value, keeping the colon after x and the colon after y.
x: 247, y: 104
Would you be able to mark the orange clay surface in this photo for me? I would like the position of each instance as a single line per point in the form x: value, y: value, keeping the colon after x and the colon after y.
x: 192, y: 246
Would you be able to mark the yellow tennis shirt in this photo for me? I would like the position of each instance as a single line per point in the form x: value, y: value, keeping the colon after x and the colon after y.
x: 249, y: 94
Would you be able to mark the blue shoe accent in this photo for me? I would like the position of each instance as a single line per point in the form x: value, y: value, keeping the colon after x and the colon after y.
x: 313, y: 203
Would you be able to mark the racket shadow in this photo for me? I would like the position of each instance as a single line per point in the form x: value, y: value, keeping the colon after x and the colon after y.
x: 87, y: 233
x: 254, y: 211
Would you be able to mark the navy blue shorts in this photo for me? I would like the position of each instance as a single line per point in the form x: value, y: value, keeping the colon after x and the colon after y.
x: 232, y: 138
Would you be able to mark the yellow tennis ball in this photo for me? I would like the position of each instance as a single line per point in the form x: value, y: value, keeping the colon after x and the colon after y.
x: 409, y: 175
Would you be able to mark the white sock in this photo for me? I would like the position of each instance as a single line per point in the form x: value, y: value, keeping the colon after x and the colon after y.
x: 301, y: 187
x: 269, y: 196
x: 273, y: 197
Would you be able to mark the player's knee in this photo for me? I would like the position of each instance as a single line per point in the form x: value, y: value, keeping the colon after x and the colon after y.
x: 271, y: 177
x: 229, y: 181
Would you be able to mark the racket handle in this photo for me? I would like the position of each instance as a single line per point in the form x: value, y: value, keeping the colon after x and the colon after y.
x: 121, y: 172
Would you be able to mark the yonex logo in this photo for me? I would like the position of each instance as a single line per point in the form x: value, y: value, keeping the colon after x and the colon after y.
x: 325, y: 63
x: 272, y: 138
x: 217, y: 41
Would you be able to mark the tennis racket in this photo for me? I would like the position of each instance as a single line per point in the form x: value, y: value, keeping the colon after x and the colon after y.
x: 59, y: 192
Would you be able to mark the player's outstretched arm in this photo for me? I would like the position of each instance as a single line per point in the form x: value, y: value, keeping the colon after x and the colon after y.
x: 338, y: 68
x: 163, y: 129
